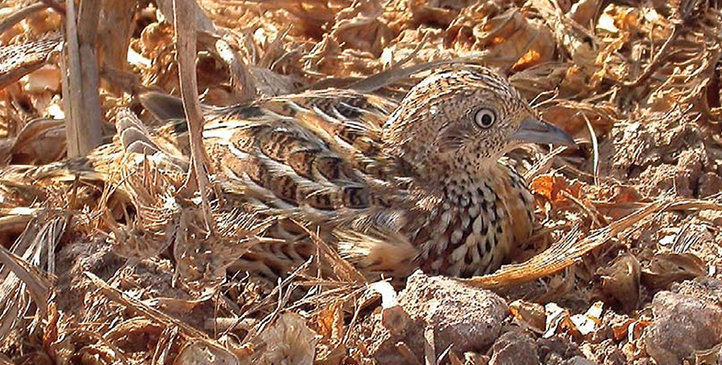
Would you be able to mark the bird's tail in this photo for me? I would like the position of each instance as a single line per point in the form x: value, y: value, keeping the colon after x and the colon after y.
x: 133, y: 143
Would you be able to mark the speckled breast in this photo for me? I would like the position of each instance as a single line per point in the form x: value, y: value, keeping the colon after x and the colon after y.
x: 474, y: 231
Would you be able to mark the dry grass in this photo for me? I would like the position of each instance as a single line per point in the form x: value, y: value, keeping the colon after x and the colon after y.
x: 120, y: 264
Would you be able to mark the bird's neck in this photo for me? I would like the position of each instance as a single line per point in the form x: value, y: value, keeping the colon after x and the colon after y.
x: 440, y: 174
x: 462, y: 181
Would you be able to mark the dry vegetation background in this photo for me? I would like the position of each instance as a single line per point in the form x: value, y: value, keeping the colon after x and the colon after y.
x: 623, y: 269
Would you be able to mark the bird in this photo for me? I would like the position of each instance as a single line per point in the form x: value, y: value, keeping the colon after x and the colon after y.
x: 392, y: 186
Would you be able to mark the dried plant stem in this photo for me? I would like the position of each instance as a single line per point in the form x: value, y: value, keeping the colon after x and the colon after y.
x: 185, y: 30
x: 80, y: 79
x: 566, y: 252
x: 118, y: 27
x: 119, y: 297
x: 36, y: 285
x: 16, y: 17
x: 656, y: 62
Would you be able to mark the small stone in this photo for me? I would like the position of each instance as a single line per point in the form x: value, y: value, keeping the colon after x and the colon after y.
x: 556, y: 349
x: 395, y: 319
x: 514, y: 348
x: 578, y: 360
x: 466, y: 318
x: 709, y: 184
x: 683, y: 324
x: 706, y: 288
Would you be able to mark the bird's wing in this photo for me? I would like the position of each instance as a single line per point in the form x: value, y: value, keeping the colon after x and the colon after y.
x: 313, y: 156
x: 316, y: 158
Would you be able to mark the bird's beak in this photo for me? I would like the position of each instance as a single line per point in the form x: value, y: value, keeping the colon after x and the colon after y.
x: 536, y: 131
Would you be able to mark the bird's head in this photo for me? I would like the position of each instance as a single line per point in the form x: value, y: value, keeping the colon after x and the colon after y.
x: 464, y: 119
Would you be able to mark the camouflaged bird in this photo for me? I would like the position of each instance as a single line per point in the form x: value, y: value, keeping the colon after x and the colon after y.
x: 392, y: 187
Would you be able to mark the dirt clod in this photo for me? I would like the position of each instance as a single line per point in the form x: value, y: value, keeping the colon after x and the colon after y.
x: 578, y: 360
x: 685, y: 322
x: 514, y: 347
x: 466, y: 318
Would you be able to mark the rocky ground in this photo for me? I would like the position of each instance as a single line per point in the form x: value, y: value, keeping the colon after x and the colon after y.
x: 623, y: 268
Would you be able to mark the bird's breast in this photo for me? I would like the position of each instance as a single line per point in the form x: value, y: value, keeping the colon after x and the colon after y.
x: 473, y: 231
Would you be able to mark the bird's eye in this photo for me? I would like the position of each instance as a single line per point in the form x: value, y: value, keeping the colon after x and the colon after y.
x: 484, y: 117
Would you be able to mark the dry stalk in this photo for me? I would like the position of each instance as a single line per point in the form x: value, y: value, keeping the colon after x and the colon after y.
x: 658, y: 58
x: 19, y: 15
x: 36, y: 285
x: 185, y: 15
x: 117, y: 27
x: 80, y: 79
x: 339, y: 265
x: 151, y: 313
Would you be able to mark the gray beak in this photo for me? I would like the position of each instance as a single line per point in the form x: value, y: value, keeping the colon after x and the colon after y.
x: 536, y: 131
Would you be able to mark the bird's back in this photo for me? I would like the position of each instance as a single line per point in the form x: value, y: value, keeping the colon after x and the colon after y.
x: 318, y: 159
x: 313, y: 156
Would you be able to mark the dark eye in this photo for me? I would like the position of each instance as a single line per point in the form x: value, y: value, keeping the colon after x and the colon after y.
x: 484, y: 117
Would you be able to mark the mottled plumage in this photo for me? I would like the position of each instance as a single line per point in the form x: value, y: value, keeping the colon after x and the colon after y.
x: 393, y: 188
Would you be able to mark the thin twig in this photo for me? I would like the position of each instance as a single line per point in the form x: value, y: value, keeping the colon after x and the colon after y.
x: 20, y: 15
x: 656, y: 62
x: 147, y: 311
x: 595, y: 148
x: 583, y: 207
x: 185, y: 30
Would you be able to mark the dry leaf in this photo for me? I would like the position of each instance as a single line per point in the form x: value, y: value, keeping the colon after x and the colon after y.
x: 204, y: 352
x: 585, y: 324
x: 621, y: 281
x: 288, y: 341
x: 668, y: 268
x: 551, y: 187
x: 530, y: 313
